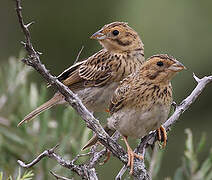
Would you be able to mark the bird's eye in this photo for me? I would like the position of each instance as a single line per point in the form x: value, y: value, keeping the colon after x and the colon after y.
x: 115, y: 32
x: 160, y: 63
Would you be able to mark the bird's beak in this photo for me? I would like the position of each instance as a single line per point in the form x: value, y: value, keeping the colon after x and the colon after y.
x: 177, y: 66
x: 98, y: 35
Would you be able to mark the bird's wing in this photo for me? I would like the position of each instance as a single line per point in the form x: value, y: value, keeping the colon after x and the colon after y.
x: 95, y: 71
x: 68, y: 72
x: 121, y: 95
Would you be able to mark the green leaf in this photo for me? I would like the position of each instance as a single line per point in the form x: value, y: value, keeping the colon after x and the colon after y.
x: 206, y: 166
x: 158, y: 160
x: 201, y: 144
x: 27, y: 175
x: 1, y: 175
x: 209, y: 176
x: 19, y: 174
x: 189, y: 144
x: 190, y: 157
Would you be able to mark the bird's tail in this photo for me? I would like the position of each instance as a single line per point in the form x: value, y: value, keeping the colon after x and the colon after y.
x: 94, y: 139
x: 56, y: 99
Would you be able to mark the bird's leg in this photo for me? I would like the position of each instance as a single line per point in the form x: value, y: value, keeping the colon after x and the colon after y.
x: 131, y: 155
x: 108, y: 153
x: 159, y: 134
x: 164, y: 134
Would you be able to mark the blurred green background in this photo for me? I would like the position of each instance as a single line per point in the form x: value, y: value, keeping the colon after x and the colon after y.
x: 179, y: 28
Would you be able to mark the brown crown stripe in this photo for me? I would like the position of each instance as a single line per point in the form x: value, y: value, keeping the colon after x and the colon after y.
x: 115, y: 24
x: 163, y: 56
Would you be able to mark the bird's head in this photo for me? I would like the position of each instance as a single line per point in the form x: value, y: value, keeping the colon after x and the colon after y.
x: 161, y: 68
x: 118, y: 37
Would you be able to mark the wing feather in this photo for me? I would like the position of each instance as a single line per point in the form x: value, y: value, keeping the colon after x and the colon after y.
x: 91, y: 72
x: 121, y: 96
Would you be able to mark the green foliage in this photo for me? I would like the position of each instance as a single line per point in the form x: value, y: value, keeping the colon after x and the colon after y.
x: 26, y: 176
x: 18, y: 96
x: 191, y: 169
x: 153, y: 160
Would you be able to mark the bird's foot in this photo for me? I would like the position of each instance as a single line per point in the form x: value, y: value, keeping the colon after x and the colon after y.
x: 131, y: 156
x: 108, y: 153
x: 162, y: 135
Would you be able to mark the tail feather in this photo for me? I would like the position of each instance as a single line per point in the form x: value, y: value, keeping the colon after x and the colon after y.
x: 56, y: 99
x: 94, y: 139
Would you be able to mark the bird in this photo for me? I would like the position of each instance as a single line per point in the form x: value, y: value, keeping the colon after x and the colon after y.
x: 142, y: 102
x: 95, y: 78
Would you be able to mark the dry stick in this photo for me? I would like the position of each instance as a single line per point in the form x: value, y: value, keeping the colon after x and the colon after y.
x: 52, y: 155
x: 59, y: 177
x: 82, y: 170
x: 121, y: 172
x: 78, y: 55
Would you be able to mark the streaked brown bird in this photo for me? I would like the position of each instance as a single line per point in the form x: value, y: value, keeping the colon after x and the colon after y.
x: 95, y: 79
x: 142, y: 101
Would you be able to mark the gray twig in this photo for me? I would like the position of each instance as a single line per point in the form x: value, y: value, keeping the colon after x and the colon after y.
x: 38, y: 158
x: 81, y: 170
x: 78, y: 55
x: 81, y: 155
x: 185, y: 104
x: 59, y: 177
x: 121, y: 172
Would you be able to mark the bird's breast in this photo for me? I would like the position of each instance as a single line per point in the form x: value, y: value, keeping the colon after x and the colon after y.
x: 137, y: 123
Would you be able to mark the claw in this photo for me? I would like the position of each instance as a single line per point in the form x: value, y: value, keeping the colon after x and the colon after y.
x: 131, y: 156
x: 164, y: 134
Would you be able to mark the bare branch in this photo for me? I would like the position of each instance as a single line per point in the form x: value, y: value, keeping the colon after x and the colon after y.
x: 59, y: 177
x: 37, y: 159
x: 121, y: 172
x: 196, y: 78
x: 78, y: 55
x: 81, y: 170
x: 81, y: 155
x: 186, y: 103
